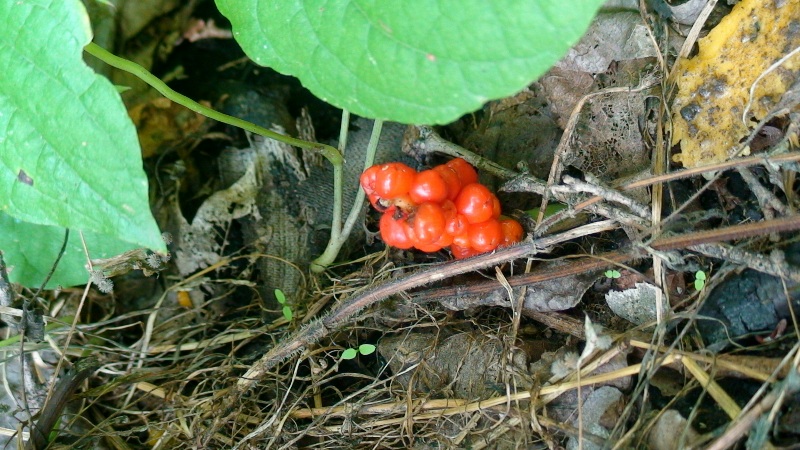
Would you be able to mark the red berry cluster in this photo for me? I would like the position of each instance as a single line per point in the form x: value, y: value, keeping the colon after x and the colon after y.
x: 436, y: 208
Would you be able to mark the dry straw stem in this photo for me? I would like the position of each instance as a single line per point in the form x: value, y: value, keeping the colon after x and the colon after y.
x: 755, y: 367
x: 205, y: 405
x: 527, y: 183
x: 55, y: 389
x: 450, y: 407
x: 351, y: 409
x: 694, y: 33
x: 213, y: 342
x: 715, y: 390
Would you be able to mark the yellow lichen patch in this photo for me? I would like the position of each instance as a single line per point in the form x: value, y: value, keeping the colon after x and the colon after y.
x: 714, y: 87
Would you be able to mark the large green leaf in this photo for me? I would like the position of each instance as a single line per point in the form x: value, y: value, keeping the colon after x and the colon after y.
x: 69, y: 154
x: 411, y: 61
x: 31, y: 250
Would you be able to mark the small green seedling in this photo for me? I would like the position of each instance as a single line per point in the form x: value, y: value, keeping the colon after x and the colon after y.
x: 612, y: 274
x: 699, y: 280
x: 364, y: 349
x: 287, y: 311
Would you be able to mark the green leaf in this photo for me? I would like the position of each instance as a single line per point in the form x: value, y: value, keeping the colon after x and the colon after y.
x: 412, y: 61
x: 287, y: 313
x: 69, y: 154
x: 699, y: 280
x: 700, y: 275
x: 366, y: 349
x: 30, y: 251
x: 280, y: 297
x: 350, y: 353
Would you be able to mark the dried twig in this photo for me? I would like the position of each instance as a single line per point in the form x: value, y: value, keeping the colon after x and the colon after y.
x: 595, y: 187
x: 346, y: 311
x: 430, y: 141
x: 752, y: 260
x: 647, y: 82
x: 768, y: 201
x: 785, y: 158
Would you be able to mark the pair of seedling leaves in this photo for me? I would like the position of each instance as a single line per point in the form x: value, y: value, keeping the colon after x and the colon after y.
x: 348, y: 353
x: 69, y: 154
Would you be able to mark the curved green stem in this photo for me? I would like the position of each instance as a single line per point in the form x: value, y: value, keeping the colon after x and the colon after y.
x: 330, y: 153
x: 333, y: 155
x: 338, y: 187
x: 369, y: 160
x: 337, y: 240
x: 343, y: 127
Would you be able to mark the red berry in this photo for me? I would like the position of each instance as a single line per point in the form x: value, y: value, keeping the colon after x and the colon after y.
x: 428, y: 186
x: 456, y: 225
x: 466, y: 173
x: 451, y: 180
x: 442, y: 242
x: 368, y: 179
x: 393, y: 179
x: 512, y: 231
x: 403, y: 202
x: 461, y: 240
x: 485, y: 236
x: 477, y: 203
x: 495, y: 207
x: 394, y: 229
x: 429, y: 223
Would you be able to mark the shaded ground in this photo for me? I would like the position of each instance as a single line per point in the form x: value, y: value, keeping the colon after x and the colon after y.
x: 659, y: 313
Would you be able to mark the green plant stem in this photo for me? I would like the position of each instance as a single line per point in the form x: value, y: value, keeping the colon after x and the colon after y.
x: 338, y: 191
x: 335, y: 243
x: 343, y: 127
x: 369, y: 160
x: 330, y: 153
